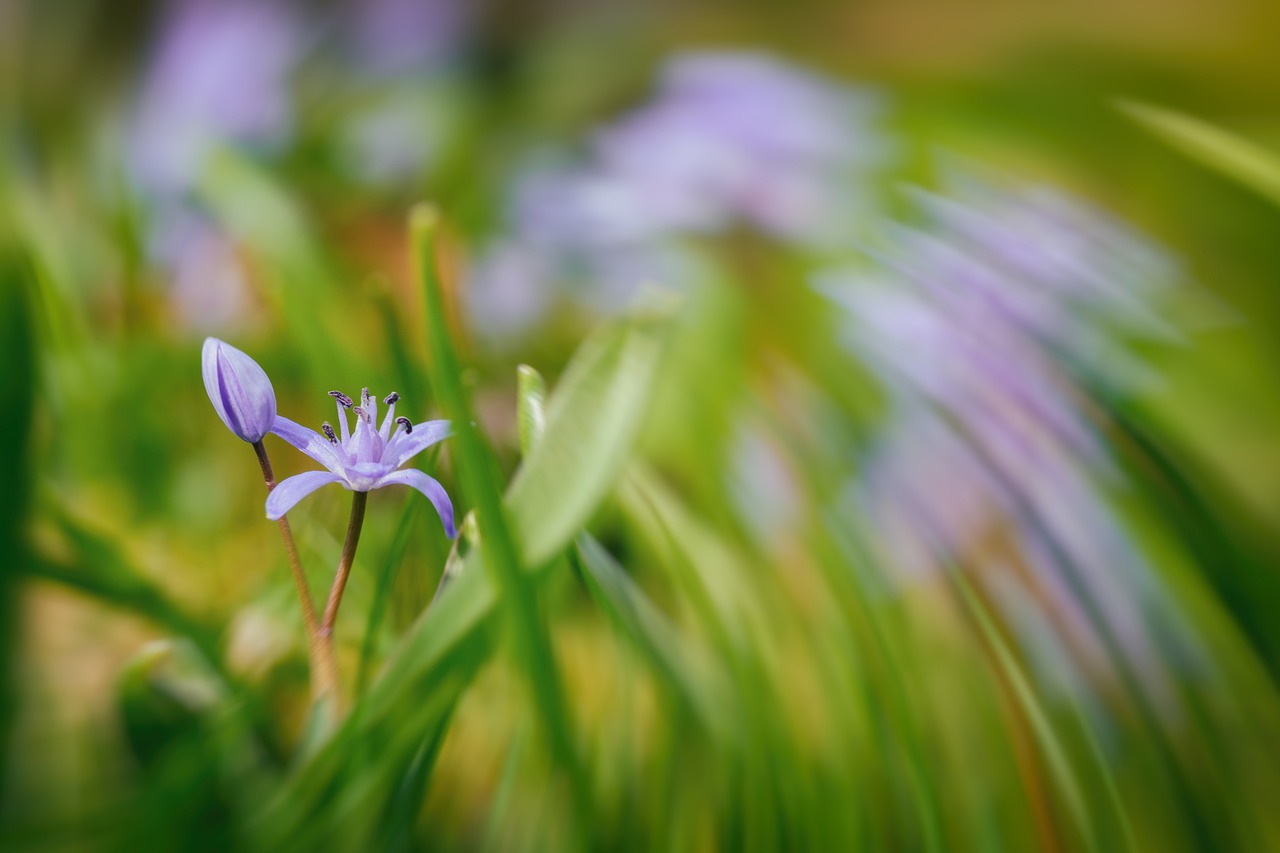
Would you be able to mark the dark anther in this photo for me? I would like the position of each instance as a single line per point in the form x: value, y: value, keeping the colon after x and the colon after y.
x: 364, y: 416
x: 329, y: 433
x: 404, y: 422
x: 345, y: 401
x: 364, y: 397
x: 391, y: 398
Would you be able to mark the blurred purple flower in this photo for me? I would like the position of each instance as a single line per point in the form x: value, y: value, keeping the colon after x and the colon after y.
x: 209, y: 279
x: 729, y: 138
x: 987, y: 325
x: 218, y: 74
x: 742, y: 136
x: 365, y: 459
x: 239, y: 389
x: 398, y: 36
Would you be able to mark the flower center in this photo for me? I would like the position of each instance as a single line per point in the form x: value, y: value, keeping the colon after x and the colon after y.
x: 365, y: 442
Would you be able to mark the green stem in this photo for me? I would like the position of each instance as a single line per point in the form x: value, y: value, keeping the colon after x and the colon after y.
x: 356, y: 522
x: 324, y: 671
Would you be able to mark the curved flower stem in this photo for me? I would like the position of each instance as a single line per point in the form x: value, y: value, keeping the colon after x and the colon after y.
x: 358, y: 500
x: 324, y: 671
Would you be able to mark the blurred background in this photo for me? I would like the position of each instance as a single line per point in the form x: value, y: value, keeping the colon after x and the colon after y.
x: 945, y: 517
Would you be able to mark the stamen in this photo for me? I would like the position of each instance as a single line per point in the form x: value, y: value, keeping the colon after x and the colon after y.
x: 364, y: 397
x: 343, y: 400
x: 329, y: 433
x: 391, y: 399
x: 405, y: 422
x: 364, y: 416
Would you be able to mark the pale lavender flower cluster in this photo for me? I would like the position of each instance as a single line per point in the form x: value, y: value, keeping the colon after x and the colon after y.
x: 221, y: 75
x: 730, y: 138
x: 218, y: 76
x: 986, y: 325
x: 395, y: 37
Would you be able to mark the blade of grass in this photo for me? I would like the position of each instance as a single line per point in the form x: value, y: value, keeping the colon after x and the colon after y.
x: 1239, y: 159
x: 17, y: 389
x: 658, y: 641
x: 1055, y: 755
x: 96, y: 567
x: 501, y: 556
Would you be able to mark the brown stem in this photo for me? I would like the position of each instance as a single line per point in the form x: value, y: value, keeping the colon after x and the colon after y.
x: 324, y: 671
x: 358, y: 500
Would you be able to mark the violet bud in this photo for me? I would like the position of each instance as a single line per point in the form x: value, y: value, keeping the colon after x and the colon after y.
x: 239, y: 389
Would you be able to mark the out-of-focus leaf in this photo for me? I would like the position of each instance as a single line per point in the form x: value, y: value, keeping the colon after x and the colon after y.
x: 258, y: 211
x: 1025, y: 699
x: 593, y: 419
x: 659, y: 642
x: 95, y: 566
x: 200, y: 761
x: 1237, y: 158
x: 17, y: 389
x: 161, y: 697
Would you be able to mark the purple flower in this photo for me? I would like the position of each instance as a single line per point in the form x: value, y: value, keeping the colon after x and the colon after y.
x: 365, y: 459
x: 218, y: 74
x: 990, y: 325
x: 392, y: 37
x: 729, y: 139
x: 742, y: 136
x: 239, y: 389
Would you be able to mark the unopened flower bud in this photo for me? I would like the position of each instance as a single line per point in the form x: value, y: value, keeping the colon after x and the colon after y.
x: 239, y: 389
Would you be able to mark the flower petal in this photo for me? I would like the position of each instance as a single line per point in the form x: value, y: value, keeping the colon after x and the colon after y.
x: 293, y: 489
x: 239, y: 389
x: 311, y: 443
x: 404, y: 446
x: 428, y: 486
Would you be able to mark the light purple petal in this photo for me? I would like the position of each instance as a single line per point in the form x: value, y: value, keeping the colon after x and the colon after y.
x: 287, y: 493
x: 311, y: 443
x: 404, y: 446
x: 239, y: 389
x: 428, y: 486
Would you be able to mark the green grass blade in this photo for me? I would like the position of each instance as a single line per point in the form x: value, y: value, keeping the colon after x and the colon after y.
x: 1239, y: 159
x: 659, y: 642
x: 501, y: 555
x: 96, y: 567
x: 17, y: 389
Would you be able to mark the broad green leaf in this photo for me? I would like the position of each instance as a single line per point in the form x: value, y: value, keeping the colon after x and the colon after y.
x: 593, y: 420
x: 1239, y: 159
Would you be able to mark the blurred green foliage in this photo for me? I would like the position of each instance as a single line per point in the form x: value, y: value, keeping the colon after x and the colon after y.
x: 622, y: 658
